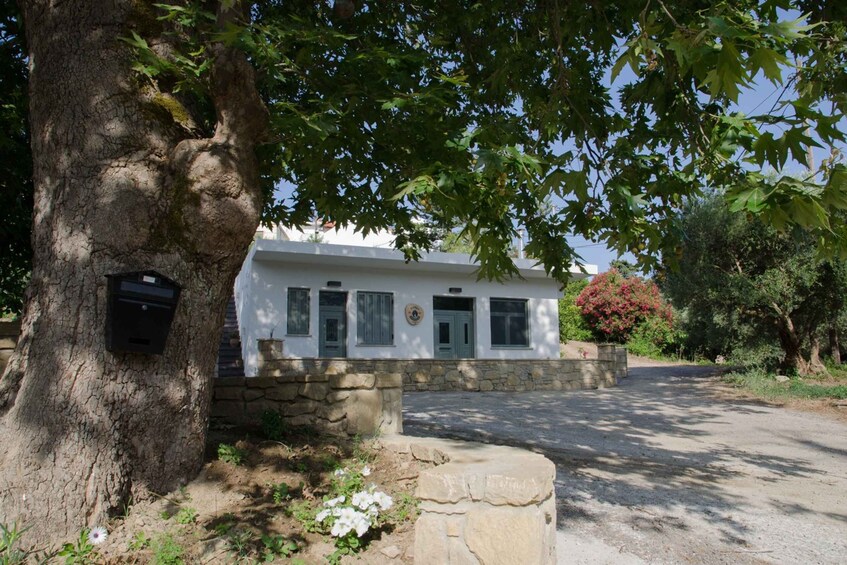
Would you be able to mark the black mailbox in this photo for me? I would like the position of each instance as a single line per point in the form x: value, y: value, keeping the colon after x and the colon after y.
x: 140, y: 310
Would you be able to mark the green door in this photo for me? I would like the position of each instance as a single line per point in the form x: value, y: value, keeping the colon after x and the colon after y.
x: 445, y: 335
x: 464, y: 335
x: 454, y: 334
x: 332, y: 324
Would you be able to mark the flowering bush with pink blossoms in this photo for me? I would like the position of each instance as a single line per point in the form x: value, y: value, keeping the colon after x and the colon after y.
x: 614, y: 305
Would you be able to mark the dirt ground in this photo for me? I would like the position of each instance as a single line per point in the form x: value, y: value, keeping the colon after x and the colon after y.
x: 221, y: 516
x: 669, y: 467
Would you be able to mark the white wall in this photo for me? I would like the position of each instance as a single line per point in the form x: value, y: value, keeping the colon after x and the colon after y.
x: 263, y: 309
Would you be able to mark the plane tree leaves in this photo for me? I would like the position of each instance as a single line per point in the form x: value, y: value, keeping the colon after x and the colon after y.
x: 421, y: 116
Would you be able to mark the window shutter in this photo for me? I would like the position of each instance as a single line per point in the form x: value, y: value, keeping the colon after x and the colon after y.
x: 375, y: 318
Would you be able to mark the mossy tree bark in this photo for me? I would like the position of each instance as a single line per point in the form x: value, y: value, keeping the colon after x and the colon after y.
x: 119, y: 186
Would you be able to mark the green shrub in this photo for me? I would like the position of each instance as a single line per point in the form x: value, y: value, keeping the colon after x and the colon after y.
x: 763, y: 356
x: 655, y: 337
x: 572, y: 325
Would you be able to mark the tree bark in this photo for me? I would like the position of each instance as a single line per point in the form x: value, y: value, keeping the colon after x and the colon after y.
x: 834, y: 345
x: 790, y: 342
x: 815, y: 363
x: 118, y: 187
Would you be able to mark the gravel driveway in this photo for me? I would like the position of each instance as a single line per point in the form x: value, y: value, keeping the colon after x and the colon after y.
x: 660, y: 470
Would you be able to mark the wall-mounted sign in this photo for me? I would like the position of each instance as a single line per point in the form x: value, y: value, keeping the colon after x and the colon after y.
x: 414, y: 314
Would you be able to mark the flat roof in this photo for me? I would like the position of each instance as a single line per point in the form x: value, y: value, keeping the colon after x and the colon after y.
x: 273, y: 250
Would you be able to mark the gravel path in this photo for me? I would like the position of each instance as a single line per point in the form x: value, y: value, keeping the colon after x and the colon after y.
x: 661, y: 470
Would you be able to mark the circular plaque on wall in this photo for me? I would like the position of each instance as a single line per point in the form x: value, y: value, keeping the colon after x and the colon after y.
x: 414, y: 314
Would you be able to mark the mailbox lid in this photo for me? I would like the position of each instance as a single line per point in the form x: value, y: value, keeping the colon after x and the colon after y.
x: 147, y: 285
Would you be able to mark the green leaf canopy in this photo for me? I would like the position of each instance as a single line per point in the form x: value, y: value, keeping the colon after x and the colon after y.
x: 422, y: 114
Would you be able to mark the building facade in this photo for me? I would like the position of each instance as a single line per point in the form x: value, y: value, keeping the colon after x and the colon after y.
x: 327, y: 300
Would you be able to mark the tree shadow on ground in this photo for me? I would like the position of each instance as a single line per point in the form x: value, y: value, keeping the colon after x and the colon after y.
x: 648, y: 445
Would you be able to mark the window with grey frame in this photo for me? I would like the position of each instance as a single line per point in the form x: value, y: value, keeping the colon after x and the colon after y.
x: 509, y: 322
x: 298, y: 311
x: 375, y: 318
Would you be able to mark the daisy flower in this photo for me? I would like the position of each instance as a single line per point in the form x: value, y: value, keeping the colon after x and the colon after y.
x: 98, y: 535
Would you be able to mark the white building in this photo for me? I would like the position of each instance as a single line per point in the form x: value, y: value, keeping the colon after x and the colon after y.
x: 365, y: 301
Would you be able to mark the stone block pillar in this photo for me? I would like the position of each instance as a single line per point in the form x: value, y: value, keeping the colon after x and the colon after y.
x: 482, y: 504
x: 616, y: 355
x: 269, y: 350
x: 621, y: 367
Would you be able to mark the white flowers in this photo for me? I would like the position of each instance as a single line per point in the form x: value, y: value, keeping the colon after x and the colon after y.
x: 366, y: 471
x: 349, y: 519
x: 359, y: 517
x: 368, y: 500
x: 98, y: 535
x: 383, y: 500
x: 335, y: 501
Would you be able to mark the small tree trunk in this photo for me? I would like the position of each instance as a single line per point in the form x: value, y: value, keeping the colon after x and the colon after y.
x: 834, y: 345
x: 790, y: 343
x: 815, y: 364
x: 119, y: 186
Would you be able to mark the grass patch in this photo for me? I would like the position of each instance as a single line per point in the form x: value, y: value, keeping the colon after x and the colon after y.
x: 765, y: 385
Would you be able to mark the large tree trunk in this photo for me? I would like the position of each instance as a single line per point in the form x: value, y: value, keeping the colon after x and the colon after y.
x: 119, y: 186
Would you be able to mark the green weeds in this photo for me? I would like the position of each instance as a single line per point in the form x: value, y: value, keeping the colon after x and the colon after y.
x: 231, y: 454
x: 765, y: 385
x: 166, y: 551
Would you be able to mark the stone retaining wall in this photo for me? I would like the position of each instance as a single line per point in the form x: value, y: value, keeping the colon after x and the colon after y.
x: 9, y: 332
x: 364, y: 396
x: 317, y: 394
x: 482, y: 504
x: 484, y: 375
x: 481, y: 375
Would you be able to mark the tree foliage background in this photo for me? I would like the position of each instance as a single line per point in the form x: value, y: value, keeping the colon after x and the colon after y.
x: 16, y: 158
x: 572, y: 325
x: 750, y: 292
